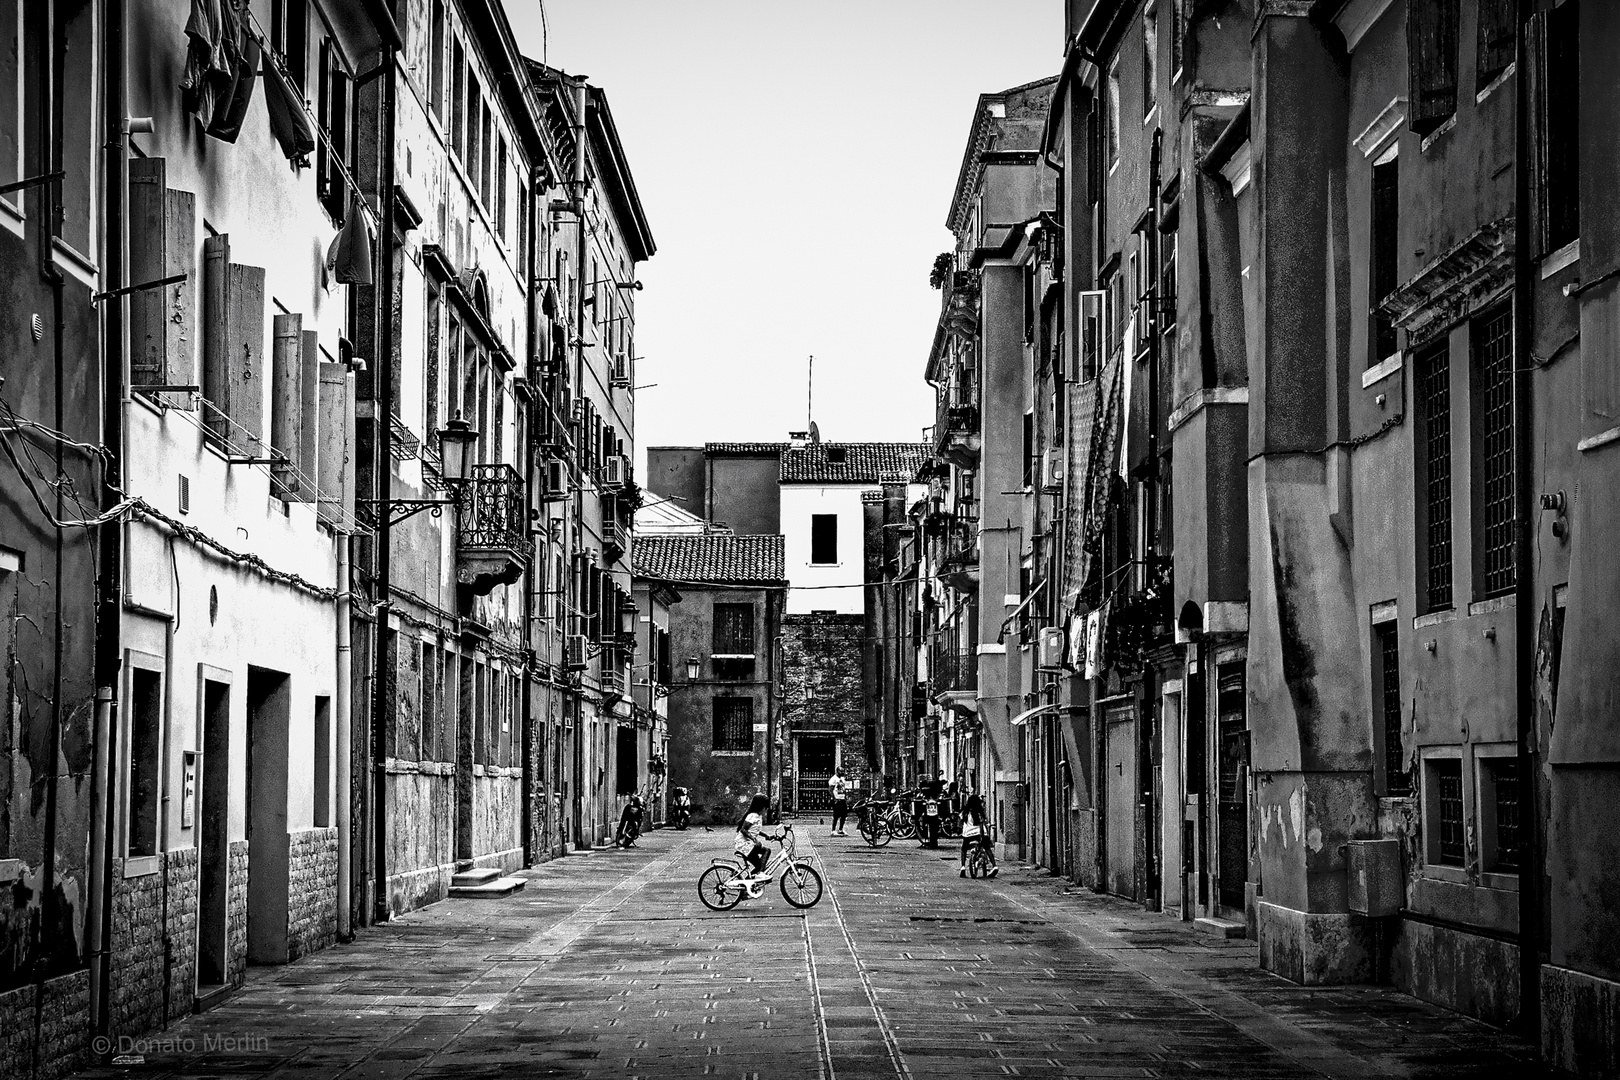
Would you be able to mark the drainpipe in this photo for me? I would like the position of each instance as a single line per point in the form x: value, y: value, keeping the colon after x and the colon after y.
x: 383, y: 397
x: 109, y: 539
x: 578, y: 194
x: 1150, y: 547
x: 344, y: 740
x: 527, y: 451
x: 1524, y: 615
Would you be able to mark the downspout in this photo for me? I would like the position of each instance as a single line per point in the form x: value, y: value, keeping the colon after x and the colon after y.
x: 109, y: 540
x: 344, y: 739
x: 527, y: 450
x: 383, y: 396
x: 1524, y: 645
x: 1150, y: 549
x: 578, y: 198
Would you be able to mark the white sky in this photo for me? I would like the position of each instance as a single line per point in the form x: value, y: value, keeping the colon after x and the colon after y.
x: 796, y: 159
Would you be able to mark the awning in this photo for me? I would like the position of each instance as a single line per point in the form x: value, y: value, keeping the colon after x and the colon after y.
x: 1029, y: 714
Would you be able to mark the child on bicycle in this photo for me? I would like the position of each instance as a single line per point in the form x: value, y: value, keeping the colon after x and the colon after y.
x: 976, y: 832
x: 751, y: 834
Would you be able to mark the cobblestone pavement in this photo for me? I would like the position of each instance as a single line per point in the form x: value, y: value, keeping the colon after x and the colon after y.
x: 608, y: 966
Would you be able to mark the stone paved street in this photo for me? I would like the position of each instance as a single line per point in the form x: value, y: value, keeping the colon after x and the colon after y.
x: 607, y: 965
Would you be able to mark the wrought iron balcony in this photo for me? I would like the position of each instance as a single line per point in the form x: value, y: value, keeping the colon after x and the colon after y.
x: 953, y: 671
x: 956, y: 429
x: 612, y: 680
x: 492, y: 529
x: 615, y: 539
x: 959, y: 565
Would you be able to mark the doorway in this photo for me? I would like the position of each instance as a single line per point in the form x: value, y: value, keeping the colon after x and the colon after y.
x: 1121, y: 781
x: 269, y: 721
x: 213, y: 837
x: 1233, y: 810
x: 818, y: 756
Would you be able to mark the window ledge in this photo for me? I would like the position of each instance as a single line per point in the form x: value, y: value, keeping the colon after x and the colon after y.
x: 74, y: 264
x: 1491, y: 879
x: 731, y: 753
x: 1382, y: 370
x: 1491, y: 88
x: 1438, y: 133
x: 1602, y: 438
x: 732, y: 656
x: 1434, y: 618
x: 1564, y: 257
x: 1437, y: 872
x: 1495, y: 603
x: 11, y: 217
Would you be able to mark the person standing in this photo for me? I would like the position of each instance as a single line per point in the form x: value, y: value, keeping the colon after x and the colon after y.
x: 839, y: 787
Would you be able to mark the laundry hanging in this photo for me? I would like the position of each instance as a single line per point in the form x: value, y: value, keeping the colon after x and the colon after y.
x: 231, y: 108
x: 206, y: 59
x: 288, y: 122
x: 348, y: 260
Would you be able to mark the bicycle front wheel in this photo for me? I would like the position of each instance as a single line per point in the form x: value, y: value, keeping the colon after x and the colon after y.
x: 903, y: 827
x: 801, y: 886
x: 711, y: 888
x: 880, y: 834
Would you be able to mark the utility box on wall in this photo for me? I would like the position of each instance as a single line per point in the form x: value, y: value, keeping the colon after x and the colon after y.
x: 1376, y: 888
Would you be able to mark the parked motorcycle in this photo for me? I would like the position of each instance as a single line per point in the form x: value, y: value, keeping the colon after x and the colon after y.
x: 629, y: 824
x: 681, y: 815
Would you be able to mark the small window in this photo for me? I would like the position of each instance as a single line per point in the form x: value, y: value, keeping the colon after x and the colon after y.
x: 1111, y: 117
x: 1491, y: 342
x: 625, y: 771
x: 1433, y: 391
x: 323, y: 762
x: 436, y: 62
x: 824, y: 539
x: 1385, y: 247
x: 1443, y: 811
x: 458, y: 101
x: 1150, y: 62
x: 733, y: 723
x: 1387, y: 700
x: 1560, y: 122
x: 289, y: 22
x: 1499, y: 814
x: 145, y: 761
x: 734, y: 629
x: 1495, y: 40
x: 835, y: 455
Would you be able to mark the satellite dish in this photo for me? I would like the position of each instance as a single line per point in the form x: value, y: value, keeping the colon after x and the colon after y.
x: 815, y: 433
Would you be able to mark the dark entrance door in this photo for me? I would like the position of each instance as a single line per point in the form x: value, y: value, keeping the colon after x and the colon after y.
x: 269, y: 720
x: 1121, y: 781
x: 817, y: 757
x: 1233, y: 806
x: 213, y: 840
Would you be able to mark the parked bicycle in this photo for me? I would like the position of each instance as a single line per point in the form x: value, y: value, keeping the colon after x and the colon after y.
x: 723, y: 885
x: 882, y: 820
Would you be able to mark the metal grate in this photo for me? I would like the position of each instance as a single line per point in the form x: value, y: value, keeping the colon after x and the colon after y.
x: 733, y: 723
x: 1504, y: 774
x: 1448, y: 794
x: 734, y: 629
x: 1397, y: 781
x: 1434, y: 408
x: 1493, y: 374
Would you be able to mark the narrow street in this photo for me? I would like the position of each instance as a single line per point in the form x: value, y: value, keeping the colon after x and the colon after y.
x: 607, y: 965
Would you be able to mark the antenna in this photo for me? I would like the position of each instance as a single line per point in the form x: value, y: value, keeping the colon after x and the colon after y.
x: 810, y: 394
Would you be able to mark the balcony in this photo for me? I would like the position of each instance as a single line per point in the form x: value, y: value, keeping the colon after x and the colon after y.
x: 954, y: 679
x: 956, y: 430
x: 492, y: 535
x: 615, y: 539
x: 612, y: 681
x: 959, y: 565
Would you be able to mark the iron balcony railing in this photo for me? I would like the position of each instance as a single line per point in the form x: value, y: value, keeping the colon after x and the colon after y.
x: 492, y: 511
x: 952, y: 670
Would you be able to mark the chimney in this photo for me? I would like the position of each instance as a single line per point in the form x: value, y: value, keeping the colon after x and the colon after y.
x: 798, y: 439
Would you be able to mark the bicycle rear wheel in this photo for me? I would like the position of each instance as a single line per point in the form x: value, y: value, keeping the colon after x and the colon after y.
x: 903, y: 827
x: 880, y: 834
x: 976, y: 862
x: 801, y: 886
x: 711, y: 892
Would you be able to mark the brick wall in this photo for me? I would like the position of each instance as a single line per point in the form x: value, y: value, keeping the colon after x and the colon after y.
x: 181, y: 868
x: 64, y: 1030
x: 311, y: 892
x: 236, y: 911
x: 153, y: 982
x: 822, y: 690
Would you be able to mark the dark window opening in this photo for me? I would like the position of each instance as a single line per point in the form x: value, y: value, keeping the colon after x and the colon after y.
x: 1387, y: 693
x: 289, y: 20
x: 734, y: 629
x: 1150, y: 62
x: 1492, y: 347
x: 835, y: 455
x: 1495, y: 42
x: 1560, y: 122
x: 333, y: 152
x: 625, y: 770
x: 1385, y: 257
x: 436, y: 62
x: 145, y: 761
x: 1447, y: 812
x: 1431, y: 51
x: 323, y: 762
x: 733, y: 723
x: 1433, y: 384
x: 824, y: 539
x: 1501, y: 803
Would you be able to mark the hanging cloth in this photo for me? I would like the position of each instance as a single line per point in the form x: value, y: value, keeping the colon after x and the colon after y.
x: 232, y: 107
x: 288, y: 123
x: 205, y: 59
x: 348, y: 260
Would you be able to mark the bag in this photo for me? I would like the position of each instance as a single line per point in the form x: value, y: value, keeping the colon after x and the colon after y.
x: 970, y: 830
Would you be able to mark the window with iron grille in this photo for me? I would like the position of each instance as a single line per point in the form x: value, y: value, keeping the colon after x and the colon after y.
x: 734, y: 629
x: 1397, y: 781
x: 1499, y: 807
x: 733, y: 723
x: 1444, y: 813
x: 1492, y: 347
x: 1433, y: 386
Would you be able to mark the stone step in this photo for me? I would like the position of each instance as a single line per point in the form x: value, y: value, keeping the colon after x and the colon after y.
x: 210, y: 996
x: 501, y: 886
x: 476, y: 876
x: 1224, y: 928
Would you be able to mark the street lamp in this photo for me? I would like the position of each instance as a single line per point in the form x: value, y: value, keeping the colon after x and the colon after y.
x: 692, y: 668
x: 456, y: 441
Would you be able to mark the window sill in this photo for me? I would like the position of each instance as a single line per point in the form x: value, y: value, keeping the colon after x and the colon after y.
x: 1601, y: 439
x: 1563, y: 258
x: 138, y: 866
x: 1495, y: 603
x: 73, y: 264
x: 11, y: 217
x: 1438, y: 133
x: 1491, y: 88
x: 731, y: 753
x: 1438, y: 872
x: 1382, y: 370
x: 1499, y: 880
x: 1434, y: 618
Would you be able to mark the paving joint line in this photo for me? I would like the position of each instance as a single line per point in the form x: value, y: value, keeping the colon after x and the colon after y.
x: 826, y: 1070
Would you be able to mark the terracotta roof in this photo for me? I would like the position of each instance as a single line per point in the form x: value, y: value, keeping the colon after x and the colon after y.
x: 749, y: 449
x: 862, y: 463
x: 718, y: 559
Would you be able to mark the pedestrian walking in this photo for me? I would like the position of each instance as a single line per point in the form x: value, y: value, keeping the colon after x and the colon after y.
x: 976, y: 832
x: 840, y: 800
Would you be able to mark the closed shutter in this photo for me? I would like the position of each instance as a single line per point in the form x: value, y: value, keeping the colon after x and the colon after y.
x: 1431, y: 52
x: 162, y: 237
x: 286, y: 401
x: 233, y: 349
x: 1496, y: 42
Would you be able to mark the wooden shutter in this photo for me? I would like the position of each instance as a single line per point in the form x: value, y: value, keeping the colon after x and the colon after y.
x: 1495, y: 44
x: 162, y: 238
x: 334, y: 431
x: 233, y: 349
x: 286, y: 401
x: 1431, y: 53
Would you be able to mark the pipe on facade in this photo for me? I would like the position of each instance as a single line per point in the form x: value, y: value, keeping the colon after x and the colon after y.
x: 114, y: 185
x: 1524, y: 616
x: 578, y: 198
x: 531, y: 344
x: 344, y: 740
x: 383, y: 396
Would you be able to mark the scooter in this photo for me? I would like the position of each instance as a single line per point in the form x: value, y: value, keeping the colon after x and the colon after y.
x: 681, y: 816
x: 629, y: 824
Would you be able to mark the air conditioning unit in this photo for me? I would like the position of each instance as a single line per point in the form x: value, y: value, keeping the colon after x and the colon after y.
x: 574, y: 652
x: 1050, y: 653
x: 556, y: 478
x: 617, y: 471
x: 1052, y: 470
x: 621, y: 371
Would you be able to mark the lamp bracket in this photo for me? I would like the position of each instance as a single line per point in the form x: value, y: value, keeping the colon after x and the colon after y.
x: 401, y: 509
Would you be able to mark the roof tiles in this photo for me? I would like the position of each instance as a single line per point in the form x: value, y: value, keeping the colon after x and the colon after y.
x: 717, y: 559
x: 853, y: 463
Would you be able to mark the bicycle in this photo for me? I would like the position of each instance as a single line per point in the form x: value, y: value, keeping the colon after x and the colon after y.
x: 872, y: 822
x: 978, y: 856
x: 720, y: 887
